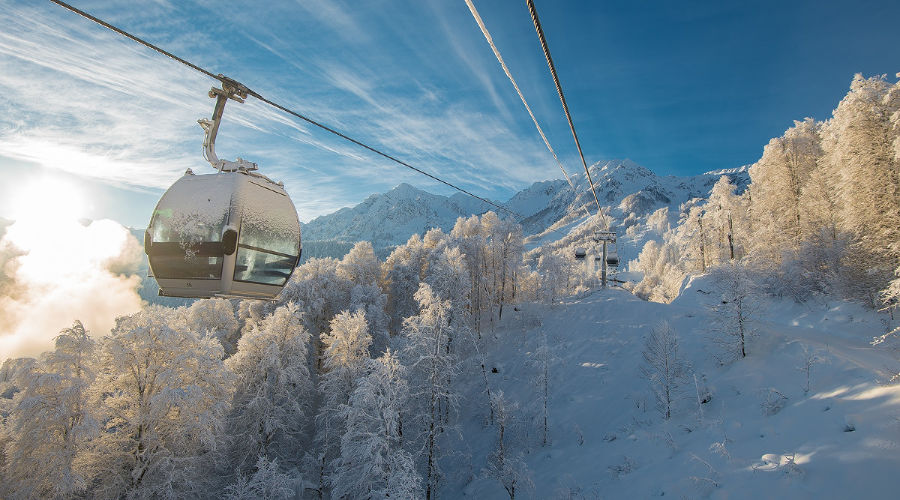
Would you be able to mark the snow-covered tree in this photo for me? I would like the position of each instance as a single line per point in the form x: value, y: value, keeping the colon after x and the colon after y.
x: 319, y: 291
x: 663, y: 369
x: 370, y: 300
x: 272, y: 390
x: 735, y: 314
x: 449, y: 280
x: 554, y: 277
x: 215, y: 318
x: 726, y: 222
x: 268, y: 481
x: 360, y: 266
x: 658, y: 221
x: 541, y: 358
x: 859, y: 140
x: 504, y: 464
x: 431, y: 368
x: 778, y: 181
x: 52, y: 422
x: 373, y: 462
x: 346, y: 349
x: 402, y: 273
x: 662, y: 272
x: 162, y: 395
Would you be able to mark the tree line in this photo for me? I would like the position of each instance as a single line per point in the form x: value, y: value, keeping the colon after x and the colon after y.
x: 821, y: 214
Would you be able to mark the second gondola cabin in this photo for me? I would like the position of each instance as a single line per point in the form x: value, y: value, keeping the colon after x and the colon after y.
x: 228, y: 234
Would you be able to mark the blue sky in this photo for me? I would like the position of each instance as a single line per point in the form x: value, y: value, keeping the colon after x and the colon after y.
x: 679, y: 87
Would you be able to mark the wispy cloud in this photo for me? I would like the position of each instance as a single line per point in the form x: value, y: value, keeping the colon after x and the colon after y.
x: 80, y: 99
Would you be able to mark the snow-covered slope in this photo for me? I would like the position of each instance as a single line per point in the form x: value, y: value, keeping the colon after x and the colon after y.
x: 758, y: 435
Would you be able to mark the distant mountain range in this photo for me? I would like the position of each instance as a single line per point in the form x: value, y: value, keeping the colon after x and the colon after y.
x: 389, y: 219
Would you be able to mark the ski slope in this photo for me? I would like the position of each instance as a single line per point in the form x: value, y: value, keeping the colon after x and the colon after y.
x: 607, y: 440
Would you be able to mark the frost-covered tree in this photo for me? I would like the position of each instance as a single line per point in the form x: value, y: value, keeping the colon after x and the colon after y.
x: 319, y: 291
x: 360, y: 266
x: 778, y: 181
x: 504, y: 464
x: 662, y: 272
x: 268, y: 481
x: 860, y: 140
x: 663, y: 368
x: 726, y: 222
x: 507, y: 244
x: 541, y: 358
x: 431, y: 367
x: 215, y: 318
x: 373, y: 462
x: 890, y: 297
x: 272, y: 390
x: 402, y: 273
x: 370, y: 300
x: 52, y: 422
x: 346, y: 351
x: 735, y: 314
x: 449, y: 280
x: 161, y: 395
x: 554, y: 277
x: 658, y: 221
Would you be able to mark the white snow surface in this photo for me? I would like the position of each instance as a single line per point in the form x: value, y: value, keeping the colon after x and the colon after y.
x: 839, y: 440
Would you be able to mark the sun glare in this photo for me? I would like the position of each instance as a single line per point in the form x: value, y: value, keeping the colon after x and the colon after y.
x: 49, y: 199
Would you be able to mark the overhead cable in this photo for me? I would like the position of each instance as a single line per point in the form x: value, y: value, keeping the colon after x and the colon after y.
x: 490, y: 41
x: 562, y: 98
x: 255, y: 94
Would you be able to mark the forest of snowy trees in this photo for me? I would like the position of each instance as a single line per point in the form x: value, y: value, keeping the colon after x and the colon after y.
x: 343, y: 387
x: 821, y: 215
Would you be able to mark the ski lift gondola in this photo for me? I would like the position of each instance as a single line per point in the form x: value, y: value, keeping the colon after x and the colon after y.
x: 580, y: 254
x: 612, y: 259
x: 234, y: 233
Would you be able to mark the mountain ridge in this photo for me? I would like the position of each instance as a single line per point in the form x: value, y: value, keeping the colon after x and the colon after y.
x: 623, y: 188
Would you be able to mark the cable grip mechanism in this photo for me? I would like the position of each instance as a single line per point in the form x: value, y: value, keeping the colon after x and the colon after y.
x: 233, y: 90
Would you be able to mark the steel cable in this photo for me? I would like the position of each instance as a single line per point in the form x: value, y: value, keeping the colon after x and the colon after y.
x: 562, y: 98
x: 284, y: 109
x: 490, y: 41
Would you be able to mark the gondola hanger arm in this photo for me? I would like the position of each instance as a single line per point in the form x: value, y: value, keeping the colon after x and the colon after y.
x: 236, y: 91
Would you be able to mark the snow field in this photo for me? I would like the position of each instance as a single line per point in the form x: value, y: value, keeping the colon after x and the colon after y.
x: 760, y: 435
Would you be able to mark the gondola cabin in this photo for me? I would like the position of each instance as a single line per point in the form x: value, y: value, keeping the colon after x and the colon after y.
x: 228, y: 234
x: 612, y: 259
x: 580, y: 254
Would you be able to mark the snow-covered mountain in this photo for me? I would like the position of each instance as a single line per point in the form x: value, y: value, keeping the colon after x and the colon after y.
x: 389, y: 219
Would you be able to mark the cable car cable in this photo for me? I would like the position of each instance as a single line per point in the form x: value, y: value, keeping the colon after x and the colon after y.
x: 562, y: 98
x: 490, y: 41
x: 225, y: 79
